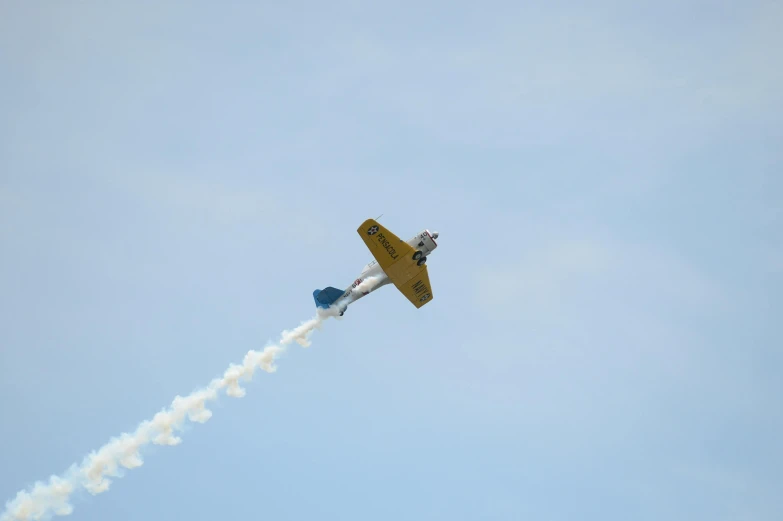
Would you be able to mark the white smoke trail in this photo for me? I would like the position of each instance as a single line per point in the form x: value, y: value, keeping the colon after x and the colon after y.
x: 368, y: 284
x: 94, y: 474
x: 365, y: 286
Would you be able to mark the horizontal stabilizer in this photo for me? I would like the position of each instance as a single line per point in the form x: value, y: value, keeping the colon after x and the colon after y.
x: 327, y: 296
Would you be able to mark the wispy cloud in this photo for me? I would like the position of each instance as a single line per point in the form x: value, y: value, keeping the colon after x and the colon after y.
x: 566, y: 271
x: 524, y: 74
x: 208, y: 203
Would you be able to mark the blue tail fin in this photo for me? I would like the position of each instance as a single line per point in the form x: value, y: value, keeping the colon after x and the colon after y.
x: 327, y: 296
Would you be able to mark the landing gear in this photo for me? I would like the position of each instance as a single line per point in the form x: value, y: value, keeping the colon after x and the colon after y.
x: 421, y: 261
x: 417, y: 255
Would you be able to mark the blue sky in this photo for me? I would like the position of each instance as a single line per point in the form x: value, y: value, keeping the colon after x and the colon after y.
x: 176, y: 178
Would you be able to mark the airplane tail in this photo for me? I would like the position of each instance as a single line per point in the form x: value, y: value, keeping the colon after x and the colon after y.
x: 327, y: 296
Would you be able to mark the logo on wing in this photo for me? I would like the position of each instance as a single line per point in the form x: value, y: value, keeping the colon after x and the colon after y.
x: 425, y: 297
x: 372, y: 230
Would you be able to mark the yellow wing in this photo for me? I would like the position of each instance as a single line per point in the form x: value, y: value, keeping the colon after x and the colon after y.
x: 417, y: 289
x: 387, y: 248
x: 395, y: 257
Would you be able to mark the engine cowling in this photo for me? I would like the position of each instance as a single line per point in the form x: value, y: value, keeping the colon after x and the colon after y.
x: 424, y: 242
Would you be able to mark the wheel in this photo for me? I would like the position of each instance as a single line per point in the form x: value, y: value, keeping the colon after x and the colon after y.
x: 421, y: 261
x: 417, y: 255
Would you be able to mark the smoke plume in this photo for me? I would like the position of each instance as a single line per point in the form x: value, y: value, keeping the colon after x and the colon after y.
x: 96, y: 471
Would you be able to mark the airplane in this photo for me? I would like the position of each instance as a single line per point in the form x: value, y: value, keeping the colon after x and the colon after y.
x: 395, y: 262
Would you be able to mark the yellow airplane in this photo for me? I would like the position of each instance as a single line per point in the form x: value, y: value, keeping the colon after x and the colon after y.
x: 396, y: 262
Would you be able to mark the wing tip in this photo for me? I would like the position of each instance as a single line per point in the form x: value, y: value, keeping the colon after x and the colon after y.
x: 368, y: 223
